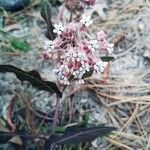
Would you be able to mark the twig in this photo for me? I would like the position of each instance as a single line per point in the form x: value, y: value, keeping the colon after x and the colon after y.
x: 148, y: 145
x: 10, y: 113
x: 38, y: 129
x: 127, y: 135
x: 133, y: 116
x: 129, y: 99
x: 118, y: 39
x: 119, y: 144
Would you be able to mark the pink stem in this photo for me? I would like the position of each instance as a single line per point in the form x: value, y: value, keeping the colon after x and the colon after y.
x: 57, y: 107
x: 56, y: 114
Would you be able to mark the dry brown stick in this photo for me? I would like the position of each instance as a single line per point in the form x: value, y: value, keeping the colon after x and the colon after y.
x: 36, y: 112
x: 127, y: 135
x: 10, y: 114
x: 130, y: 100
x: 119, y: 38
x: 130, y: 120
x: 106, y: 74
x: 29, y: 116
x: 123, y: 99
x: 112, y: 85
x: 42, y: 122
x: 113, y: 119
x: 113, y: 97
x: 100, y: 99
x: 119, y: 144
x: 141, y: 126
x: 10, y: 53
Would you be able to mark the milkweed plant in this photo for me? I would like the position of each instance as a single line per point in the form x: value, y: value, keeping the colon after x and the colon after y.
x: 77, y: 53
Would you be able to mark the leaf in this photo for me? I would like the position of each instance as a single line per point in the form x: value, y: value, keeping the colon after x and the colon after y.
x: 32, y: 77
x: 74, y: 135
x: 16, y: 140
x: 87, y: 74
x: 47, y: 16
x: 20, y: 44
x: 107, y: 58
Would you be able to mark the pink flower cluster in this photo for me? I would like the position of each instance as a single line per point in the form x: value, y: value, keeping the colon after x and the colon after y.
x: 77, y: 54
x: 90, y: 2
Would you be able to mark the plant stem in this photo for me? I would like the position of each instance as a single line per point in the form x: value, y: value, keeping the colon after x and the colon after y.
x: 56, y: 114
x: 57, y: 106
x: 70, y: 16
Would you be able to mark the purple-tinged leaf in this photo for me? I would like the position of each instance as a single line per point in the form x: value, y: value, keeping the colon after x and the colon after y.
x: 87, y: 74
x: 47, y: 16
x: 32, y: 77
x: 75, y: 135
x: 107, y: 58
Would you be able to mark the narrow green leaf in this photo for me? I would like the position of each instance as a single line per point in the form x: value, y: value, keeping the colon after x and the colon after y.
x: 20, y: 44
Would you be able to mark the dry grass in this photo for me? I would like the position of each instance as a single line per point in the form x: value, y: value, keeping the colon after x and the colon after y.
x: 128, y: 108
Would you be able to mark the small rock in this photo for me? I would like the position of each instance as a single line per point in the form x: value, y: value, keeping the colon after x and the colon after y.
x: 13, y: 5
x: 147, y: 54
x: 84, y: 100
x: 95, y: 143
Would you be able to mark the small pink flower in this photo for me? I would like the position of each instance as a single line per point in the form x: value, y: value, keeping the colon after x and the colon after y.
x: 86, y: 20
x: 77, y: 53
x: 66, y: 35
x: 47, y: 54
x: 101, y: 36
x: 48, y: 46
x: 93, y: 45
x: 103, y: 45
x: 106, y: 47
x: 80, y: 81
x: 83, y: 44
x: 57, y: 42
x: 58, y: 28
x: 99, y: 66
x: 90, y: 2
x: 81, y: 57
x: 72, y: 27
x: 70, y: 54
